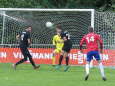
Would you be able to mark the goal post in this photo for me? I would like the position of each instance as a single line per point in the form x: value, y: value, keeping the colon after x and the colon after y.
x: 75, y: 21
x: 15, y: 20
x: 86, y: 13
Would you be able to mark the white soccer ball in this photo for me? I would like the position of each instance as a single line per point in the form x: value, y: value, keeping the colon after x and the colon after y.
x: 49, y: 24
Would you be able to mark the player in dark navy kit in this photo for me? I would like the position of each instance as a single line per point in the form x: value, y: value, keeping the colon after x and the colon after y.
x: 65, y: 50
x: 25, y: 41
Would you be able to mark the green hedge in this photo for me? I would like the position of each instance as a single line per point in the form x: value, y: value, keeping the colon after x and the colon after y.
x: 54, y: 3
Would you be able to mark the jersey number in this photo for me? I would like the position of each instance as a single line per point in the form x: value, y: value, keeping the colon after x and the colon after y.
x: 22, y: 37
x: 90, y: 39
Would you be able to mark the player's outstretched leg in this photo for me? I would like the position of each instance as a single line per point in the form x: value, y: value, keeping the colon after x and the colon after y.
x: 60, y: 61
x: 87, y: 67
x: 91, y: 63
x: 67, y: 62
x: 32, y: 62
x: 21, y: 61
x: 102, y: 70
x: 53, y: 59
x: 14, y: 66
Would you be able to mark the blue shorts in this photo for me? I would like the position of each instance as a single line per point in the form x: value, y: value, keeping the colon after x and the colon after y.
x: 92, y: 54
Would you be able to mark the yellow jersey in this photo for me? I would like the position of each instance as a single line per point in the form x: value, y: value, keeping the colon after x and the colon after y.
x: 58, y: 42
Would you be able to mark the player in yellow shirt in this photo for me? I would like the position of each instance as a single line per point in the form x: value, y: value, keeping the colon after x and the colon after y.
x: 58, y: 43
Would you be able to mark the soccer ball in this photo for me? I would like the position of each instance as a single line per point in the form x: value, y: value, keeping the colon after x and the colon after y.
x: 49, y: 24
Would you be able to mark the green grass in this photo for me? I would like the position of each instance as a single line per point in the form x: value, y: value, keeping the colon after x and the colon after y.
x: 47, y: 76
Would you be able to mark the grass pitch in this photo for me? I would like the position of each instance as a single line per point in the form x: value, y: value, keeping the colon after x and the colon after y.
x: 48, y: 76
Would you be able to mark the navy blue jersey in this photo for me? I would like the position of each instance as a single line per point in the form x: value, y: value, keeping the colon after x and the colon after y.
x: 65, y: 34
x: 67, y: 44
x: 24, y: 36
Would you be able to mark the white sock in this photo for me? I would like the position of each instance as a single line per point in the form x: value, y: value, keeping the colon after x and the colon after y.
x: 91, y: 64
x: 87, y: 69
x: 101, y: 69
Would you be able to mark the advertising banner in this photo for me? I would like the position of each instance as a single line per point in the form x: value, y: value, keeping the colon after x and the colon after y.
x: 44, y: 56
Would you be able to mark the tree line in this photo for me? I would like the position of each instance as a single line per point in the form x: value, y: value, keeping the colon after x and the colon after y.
x: 96, y: 4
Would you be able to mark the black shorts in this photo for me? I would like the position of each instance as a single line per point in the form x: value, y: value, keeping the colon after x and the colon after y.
x: 25, y: 52
x: 67, y: 46
x: 66, y: 49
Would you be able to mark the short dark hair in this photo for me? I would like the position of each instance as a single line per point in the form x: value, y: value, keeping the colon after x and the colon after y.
x: 90, y: 29
x: 27, y: 27
x: 58, y: 26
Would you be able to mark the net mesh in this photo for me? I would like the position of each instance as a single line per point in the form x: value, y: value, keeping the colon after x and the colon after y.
x: 105, y: 26
x: 76, y: 23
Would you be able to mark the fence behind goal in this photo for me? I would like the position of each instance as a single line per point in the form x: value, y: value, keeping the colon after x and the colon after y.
x: 76, y: 22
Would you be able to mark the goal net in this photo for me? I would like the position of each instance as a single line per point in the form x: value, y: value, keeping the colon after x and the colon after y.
x: 75, y: 21
x: 105, y: 26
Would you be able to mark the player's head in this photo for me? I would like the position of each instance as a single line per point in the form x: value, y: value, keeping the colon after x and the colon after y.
x: 90, y: 29
x: 65, y: 35
x: 58, y: 29
x: 29, y: 28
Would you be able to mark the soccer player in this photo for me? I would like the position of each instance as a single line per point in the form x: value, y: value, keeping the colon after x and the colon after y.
x: 25, y: 41
x: 57, y: 42
x: 65, y: 50
x: 92, y: 41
